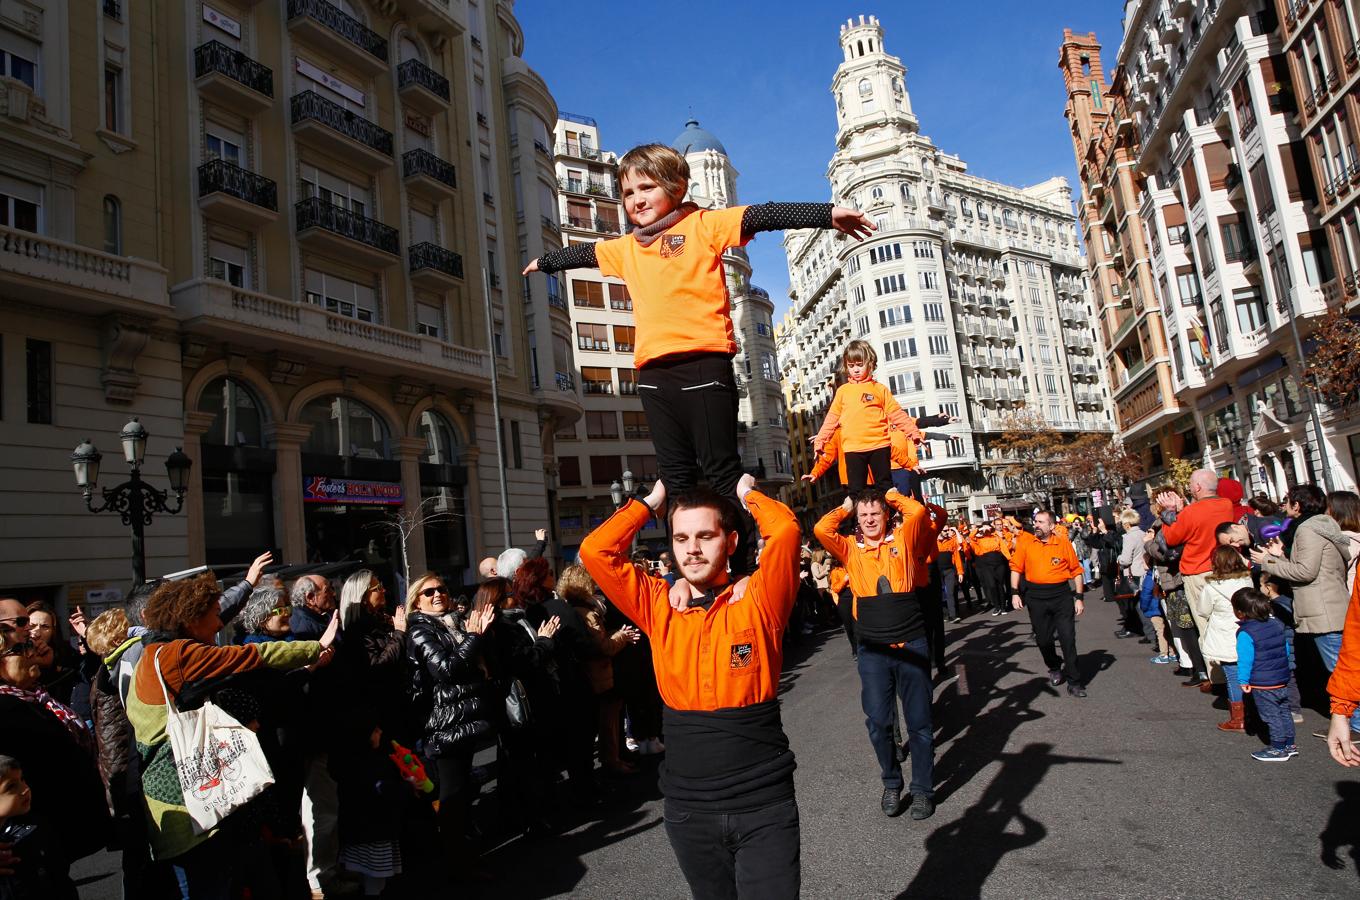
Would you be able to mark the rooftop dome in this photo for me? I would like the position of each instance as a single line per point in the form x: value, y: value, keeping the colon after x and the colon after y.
x: 695, y: 140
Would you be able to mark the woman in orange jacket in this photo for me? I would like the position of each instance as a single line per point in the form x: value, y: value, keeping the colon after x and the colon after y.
x: 991, y: 561
x: 950, y: 566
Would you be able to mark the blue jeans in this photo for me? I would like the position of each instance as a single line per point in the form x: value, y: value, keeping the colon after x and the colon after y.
x: 949, y: 588
x: 886, y: 674
x: 1273, y: 707
x: 1329, y: 647
x: 1234, y: 686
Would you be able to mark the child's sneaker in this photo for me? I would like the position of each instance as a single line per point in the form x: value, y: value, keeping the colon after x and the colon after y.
x: 1292, y: 750
x: 1162, y: 660
x: 1272, y: 754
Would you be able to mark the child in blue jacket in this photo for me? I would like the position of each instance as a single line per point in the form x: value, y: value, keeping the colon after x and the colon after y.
x: 1263, y: 670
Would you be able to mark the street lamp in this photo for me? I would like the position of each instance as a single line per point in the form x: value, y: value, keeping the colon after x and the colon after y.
x: 628, y: 482
x: 616, y: 493
x: 135, y: 500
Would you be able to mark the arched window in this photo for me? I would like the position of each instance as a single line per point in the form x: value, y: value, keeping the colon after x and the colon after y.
x: 860, y: 46
x: 238, y: 417
x: 898, y: 87
x: 441, y: 441
x: 113, y: 225
x: 345, y: 427
x: 408, y: 49
x: 876, y: 193
x: 865, y: 88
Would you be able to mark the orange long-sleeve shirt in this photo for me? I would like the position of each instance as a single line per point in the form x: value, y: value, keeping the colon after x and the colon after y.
x: 898, y: 556
x: 728, y: 655
x: 863, y: 410
x: 953, y: 546
x: 988, y: 543
x: 1194, y: 527
x: 840, y: 580
x: 1344, y: 685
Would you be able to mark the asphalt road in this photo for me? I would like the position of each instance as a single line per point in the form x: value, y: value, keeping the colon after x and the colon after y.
x: 1131, y: 792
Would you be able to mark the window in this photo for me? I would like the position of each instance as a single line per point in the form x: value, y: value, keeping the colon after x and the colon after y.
x: 949, y: 409
x: 1051, y: 384
x: 228, y: 263
x: 954, y: 447
x: 905, y: 382
x: 618, y: 298
x: 596, y: 380
x: 884, y: 253
x: 763, y: 329
x: 113, y: 225
x: 429, y: 320
x: 601, y: 425
x: 627, y: 381
x: 643, y: 467
x: 923, y: 249
x: 1045, y: 353
x: 333, y: 189
x: 346, y: 428
x: 335, y: 294
x: 113, y: 99
x: 623, y: 338
x: 939, y: 345
x: 39, y: 364
x: 893, y: 316
x: 769, y: 369
x: 1220, y: 318
x: 635, y: 427
x: 1251, y: 311
x: 890, y: 285
x: 605, y: 469
x: 516, y: 446
x: 852, y: 265
x: 20, y: 65
x: 1206, y: 250
x: 930, y: 281
x: 934, y: 312
x: 858, y: 293
x: 20, y: 203
x: 591, y: 336
x: 861, y: 326
x: 944, y: 379
x: 569, y: 471
x: 221, y: 144
x: 1187, y: 287
x: 902, y: 348
x: 588, y: 294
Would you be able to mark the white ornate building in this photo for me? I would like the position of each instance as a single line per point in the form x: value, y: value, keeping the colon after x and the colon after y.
x: 974, y: 293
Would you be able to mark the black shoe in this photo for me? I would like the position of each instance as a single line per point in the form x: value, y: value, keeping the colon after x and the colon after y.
x: 922, y: 807
x: 1182, y: 672
x: 1144, y: 641
x: 1055, y: 677
x: 1123, y: 633
x: 1194, y: 682
x: 891, y: 802
x: 1075, y: 690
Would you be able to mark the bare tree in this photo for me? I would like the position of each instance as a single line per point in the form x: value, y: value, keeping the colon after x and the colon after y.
x: 402, y: 524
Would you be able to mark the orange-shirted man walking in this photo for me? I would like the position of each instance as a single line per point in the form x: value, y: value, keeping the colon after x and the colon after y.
x: 1047, y: 578
x: 730, y: 809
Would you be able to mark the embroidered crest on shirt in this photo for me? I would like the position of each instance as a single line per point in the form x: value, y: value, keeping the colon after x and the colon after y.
x: 741, y: 656
x: 672, y: 245
x: 1055, y: 561
x: 866, y: 397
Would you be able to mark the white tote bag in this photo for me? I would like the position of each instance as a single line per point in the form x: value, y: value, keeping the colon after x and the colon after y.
x: 218, y: 760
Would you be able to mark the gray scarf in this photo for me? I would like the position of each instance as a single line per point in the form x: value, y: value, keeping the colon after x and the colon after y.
x: 646, y: 235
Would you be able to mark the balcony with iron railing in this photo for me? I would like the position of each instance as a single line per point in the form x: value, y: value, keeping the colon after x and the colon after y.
x: 435, y: 267
x: 229, y: 193
x: 231, y: 78
x: 331, y: 29
x: 336, y: 230
x: 347, y: 134
x: 577, y: 150
x: 422, y: 88
x: 427, y: 174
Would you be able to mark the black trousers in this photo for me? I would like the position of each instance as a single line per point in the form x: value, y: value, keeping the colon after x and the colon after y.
x: 455, y: 799
x: 858, y: 465
x: 843, y: 606
x: 992, y: 574
x: 725, y: 856
x: 1052, y: 609
x: 691, y: 409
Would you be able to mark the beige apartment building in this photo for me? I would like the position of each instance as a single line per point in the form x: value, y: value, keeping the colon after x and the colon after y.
x: 288, y: 236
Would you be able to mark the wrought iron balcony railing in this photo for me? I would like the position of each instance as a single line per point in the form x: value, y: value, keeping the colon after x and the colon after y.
x: 342, y: 23
x: 217, y: 57
x: 315, y: 212
x: 218, y: 175
x: 311, y: 105
x: 413, y: 71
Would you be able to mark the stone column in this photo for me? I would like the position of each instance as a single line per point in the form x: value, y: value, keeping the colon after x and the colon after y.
x: 290, y: 523
x: 196, y: 424
x: 409, y: 452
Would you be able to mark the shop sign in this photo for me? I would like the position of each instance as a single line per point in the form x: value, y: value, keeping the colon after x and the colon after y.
x: 991, y: 511
x: 322, y: 489
x: 220, y: 20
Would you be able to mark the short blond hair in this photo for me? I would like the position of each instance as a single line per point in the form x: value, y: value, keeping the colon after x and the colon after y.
x: 1129, y: 517
x: 660, y: 163
x: 413, y: 592
x: 858, y: 351
x: 575, y: 585
x: 107, y: 632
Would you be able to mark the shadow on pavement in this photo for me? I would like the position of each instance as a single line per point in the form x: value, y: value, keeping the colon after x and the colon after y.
x: 1343, y: 827
x: 962, y: 855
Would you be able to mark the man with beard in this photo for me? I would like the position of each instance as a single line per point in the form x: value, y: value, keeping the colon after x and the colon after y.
x: 730, y: 810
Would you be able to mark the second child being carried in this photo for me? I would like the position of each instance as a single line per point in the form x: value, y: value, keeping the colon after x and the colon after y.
x: 863, y: 410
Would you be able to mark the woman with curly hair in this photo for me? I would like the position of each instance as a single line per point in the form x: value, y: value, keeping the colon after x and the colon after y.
x: 183, y: 618
x: 579, y: 589
x: 266, y: 616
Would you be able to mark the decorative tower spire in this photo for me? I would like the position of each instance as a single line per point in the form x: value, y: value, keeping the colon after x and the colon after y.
x: 870, y: 86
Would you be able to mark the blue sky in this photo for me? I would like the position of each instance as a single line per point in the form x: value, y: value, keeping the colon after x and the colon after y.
x: 982, y: 75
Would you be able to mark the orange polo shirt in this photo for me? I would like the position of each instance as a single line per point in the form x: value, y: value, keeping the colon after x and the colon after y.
x: 987, y: 543
x: 728, y: 655
x: 900, y: 555
x: 953, y: 546
x: 863, y: 410
x: 679, y: 293
x: 840, y: 580
x: 1045, y: 562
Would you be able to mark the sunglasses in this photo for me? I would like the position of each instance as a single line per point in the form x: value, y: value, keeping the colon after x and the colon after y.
x: 18, y: 649
x: 431, y: 591
x: 16, y: 622
x: 285, y: 611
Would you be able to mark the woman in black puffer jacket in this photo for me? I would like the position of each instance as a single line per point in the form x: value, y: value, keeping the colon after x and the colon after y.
x: 451, y: 689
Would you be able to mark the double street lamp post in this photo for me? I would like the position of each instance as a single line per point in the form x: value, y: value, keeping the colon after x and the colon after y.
x: 135, y: 500
x: 620, y: 492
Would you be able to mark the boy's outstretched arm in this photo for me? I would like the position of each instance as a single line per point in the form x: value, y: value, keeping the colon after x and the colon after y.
x: 581, y: 256
x: 781, y: 216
